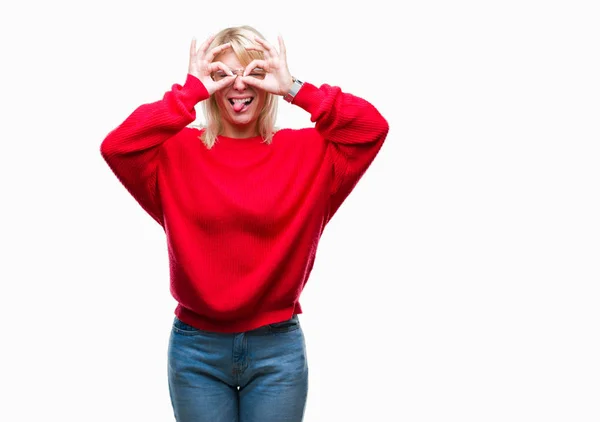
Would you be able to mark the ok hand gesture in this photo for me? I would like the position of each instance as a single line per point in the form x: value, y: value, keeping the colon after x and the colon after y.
x: 202, y: 65
x: 278, y: 79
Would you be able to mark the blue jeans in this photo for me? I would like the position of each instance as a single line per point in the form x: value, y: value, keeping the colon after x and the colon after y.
x: 254, y: 376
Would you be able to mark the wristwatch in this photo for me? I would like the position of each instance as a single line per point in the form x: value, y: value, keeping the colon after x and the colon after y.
x: 289, y: 97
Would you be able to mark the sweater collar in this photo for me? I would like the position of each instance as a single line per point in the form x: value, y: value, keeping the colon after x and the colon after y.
x: 239, y: 143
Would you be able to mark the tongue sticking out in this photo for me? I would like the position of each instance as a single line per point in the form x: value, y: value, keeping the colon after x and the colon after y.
x: 238, y: 106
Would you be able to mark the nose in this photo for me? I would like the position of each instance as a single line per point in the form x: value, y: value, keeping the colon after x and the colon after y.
x: 238, y: 84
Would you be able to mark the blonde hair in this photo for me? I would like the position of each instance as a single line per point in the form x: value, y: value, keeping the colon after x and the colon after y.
x: 240, y: 37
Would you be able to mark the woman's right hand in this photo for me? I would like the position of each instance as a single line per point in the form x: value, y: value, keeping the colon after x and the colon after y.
x: 202, y: 65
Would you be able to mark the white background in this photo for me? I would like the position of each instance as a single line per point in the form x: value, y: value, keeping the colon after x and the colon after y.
x: 459, y: 281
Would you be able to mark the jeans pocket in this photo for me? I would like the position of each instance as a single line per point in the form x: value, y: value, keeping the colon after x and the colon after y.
x: 181, y: 327
x: 291, y: 324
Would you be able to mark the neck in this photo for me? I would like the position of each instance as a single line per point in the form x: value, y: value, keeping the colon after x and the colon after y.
x: 240, y: 131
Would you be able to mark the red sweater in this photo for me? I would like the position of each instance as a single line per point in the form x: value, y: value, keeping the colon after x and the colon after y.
x: 243, y: 219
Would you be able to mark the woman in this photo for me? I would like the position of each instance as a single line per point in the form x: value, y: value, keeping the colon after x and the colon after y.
x: 243, y: 207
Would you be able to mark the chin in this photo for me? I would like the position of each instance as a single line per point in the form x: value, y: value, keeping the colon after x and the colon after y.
x: 242, y: 120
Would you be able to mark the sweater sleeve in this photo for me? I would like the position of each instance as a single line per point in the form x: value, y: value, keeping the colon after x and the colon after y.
x: 132, y: 149
x: 353, y: 129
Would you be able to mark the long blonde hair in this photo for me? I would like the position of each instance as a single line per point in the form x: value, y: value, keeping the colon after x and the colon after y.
x: 240, y: 37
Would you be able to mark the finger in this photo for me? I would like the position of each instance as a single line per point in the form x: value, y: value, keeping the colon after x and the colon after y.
x: 249, y: 80
x: 256, y: 48
x: 223, y: 83
x: 214, y: 66
x: 271, y: 50
x: 216, y: 51
x: 254, y: 64
x: 192, y: 51
x: 265, y: 53
x: 282, y: 49
x: 205, y: 45
x: 193, y: 47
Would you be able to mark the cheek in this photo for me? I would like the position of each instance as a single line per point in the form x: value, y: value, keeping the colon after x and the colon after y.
x: 261, y: 100
x: 220, y: 99
x: 222, y: 103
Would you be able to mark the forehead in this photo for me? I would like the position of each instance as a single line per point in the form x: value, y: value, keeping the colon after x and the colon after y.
x: 230, y: 59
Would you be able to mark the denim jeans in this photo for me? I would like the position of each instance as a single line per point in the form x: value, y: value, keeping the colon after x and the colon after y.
x: 254, y: 376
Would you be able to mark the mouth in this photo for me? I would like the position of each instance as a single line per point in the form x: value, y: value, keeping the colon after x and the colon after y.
x: 241, y: 104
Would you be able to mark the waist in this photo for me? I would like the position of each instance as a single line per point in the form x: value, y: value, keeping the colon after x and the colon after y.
x: 255, y: 321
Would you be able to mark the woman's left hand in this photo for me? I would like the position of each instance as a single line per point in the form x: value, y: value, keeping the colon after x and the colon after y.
x: 278, y: 79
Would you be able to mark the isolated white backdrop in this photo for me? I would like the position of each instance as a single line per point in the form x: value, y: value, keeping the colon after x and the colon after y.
x: 459, y: 281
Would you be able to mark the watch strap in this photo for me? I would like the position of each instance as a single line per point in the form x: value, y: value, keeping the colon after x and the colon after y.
x: 289, y: 97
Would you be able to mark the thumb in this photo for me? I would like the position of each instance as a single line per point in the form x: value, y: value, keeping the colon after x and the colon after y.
x: 223, y: 83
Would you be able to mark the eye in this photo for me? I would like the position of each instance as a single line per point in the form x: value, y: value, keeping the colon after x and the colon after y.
x: 258, y: 73
x: 218, y: 75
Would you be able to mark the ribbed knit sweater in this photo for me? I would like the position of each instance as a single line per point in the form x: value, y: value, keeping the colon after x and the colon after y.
x: 243, y: 219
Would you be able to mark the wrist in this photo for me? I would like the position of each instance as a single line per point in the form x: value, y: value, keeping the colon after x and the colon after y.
x: 286, y: 88
x: 292, y: 89
x: 193, y: 90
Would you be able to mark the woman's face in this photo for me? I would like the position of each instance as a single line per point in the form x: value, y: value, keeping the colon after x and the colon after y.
x: 240, y: 104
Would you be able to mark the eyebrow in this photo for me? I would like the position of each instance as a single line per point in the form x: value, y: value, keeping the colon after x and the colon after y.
x: 241, y: 69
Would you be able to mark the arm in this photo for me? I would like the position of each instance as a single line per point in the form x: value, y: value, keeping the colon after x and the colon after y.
x: 132, y: 149
x: 353, y: 129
